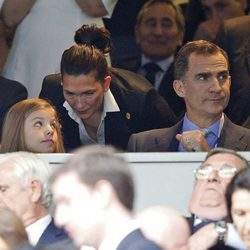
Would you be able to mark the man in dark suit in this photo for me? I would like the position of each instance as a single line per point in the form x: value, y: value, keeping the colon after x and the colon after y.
x: 11, y: 92
x: 96, y: 107
x: 25, y: 190
x: 208, y: 223
x: 93, y: 192
x: 203, y: 80
x: 159, y: 31
x: 234, y: 38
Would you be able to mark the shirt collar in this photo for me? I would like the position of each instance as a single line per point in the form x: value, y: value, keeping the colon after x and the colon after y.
x: 215, y: 127
x: 36, y: 229
x: 163, y: 64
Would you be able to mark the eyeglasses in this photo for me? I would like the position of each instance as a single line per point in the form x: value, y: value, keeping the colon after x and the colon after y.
x: 203, y: 172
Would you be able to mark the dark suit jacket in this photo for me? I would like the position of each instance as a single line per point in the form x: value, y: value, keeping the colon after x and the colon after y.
x: 163, y: 140
x: 52, y: 234
x: 11, y: 92
x: 190, y: 221
x: 234, y: 38
x: 166, y: 89
x: 139, y: 111
x: 136, y: 241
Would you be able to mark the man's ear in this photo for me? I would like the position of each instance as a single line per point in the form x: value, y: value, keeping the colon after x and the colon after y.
x: 107, y: 81
x: 36, y: 190
x: 179, y: 88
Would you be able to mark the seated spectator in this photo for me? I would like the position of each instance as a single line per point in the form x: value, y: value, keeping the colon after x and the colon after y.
x: 25, y: 191
x: 165, y: 226
x: 207, y: 204
x: 12, y: 231
x: 238, y: 203
x: 159, y: 32
x: 204, y: 17
x: 234, y: 38
x: 93, y: 192
x: 203, y: 80
x: 11, y: 92
x: 32, y: 125
x: 93, y: 104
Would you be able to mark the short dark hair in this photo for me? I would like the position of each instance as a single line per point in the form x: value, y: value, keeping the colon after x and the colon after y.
x: 200, y: 47
x: 88, y: 56
x: 219, y: 150
x: 84, y: 59
x: 240, y: 181
x: 179, y: 15
x: 98, y: 162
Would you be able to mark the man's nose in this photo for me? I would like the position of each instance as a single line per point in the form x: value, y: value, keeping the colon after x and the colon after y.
x: 158, y: 29
x: 213, y: 175
x: 216, y: 85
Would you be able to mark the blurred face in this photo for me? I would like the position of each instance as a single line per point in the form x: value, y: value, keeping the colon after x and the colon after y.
x: 241, y: 214
x: 13, y: 194
x: 208, y: 197
x: 40, y: 132
x: 158, y: 34
x: 85, y: 95
x: 77, y: 209
x: 205, y: 87
x: 223, y: 9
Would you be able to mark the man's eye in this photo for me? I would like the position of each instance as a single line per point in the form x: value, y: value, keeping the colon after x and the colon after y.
x: 223, y: 77
x: 202, y: 77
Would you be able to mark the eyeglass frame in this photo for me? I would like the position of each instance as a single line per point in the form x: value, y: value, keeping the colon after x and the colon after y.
x: 210, y: 169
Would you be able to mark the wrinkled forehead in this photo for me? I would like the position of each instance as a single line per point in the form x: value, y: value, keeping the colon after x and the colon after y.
x: 224, y: 159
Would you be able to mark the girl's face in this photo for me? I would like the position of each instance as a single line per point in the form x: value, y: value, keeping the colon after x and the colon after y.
x: 40, y: 133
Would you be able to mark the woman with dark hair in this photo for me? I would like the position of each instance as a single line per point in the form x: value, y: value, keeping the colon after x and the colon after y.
x: 101, y: 105
x: 238, y: 203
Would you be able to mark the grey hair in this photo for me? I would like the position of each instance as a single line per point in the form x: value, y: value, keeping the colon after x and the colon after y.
x: 28, y: 166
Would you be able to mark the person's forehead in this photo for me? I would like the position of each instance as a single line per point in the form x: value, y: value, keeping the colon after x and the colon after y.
x: 221, y: 159
x: 200, y: 61
x: 211, y: 3
x: 159, y: 10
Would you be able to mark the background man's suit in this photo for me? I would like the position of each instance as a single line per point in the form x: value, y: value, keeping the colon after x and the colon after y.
x: 234, y: 38
x: 135, y: 240
x: 166, y: 89
x: 11, y: 92
x: 163, y: 140
x: 52, y: 234
x: 139, y: 111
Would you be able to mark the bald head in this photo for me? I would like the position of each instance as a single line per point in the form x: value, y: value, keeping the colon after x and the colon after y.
x: 164, y: 225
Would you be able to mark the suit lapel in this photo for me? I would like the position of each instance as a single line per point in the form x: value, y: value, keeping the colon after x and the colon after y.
x: 52, y: 234
x: 231, y: 137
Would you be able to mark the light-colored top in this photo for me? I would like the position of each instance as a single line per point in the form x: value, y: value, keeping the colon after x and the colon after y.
x: 110, y: 105
x: 41, y: 38
x: 163, y: 64
x: 36, y: 229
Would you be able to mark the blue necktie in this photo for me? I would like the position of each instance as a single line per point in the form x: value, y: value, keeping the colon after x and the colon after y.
x: 211, y: 138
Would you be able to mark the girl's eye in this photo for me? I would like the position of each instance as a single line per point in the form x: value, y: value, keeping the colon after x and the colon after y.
x: 38, y: 124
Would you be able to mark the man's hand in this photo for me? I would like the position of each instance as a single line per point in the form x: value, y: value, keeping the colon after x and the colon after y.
x: 193, y: 141
x: 204, y: 238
